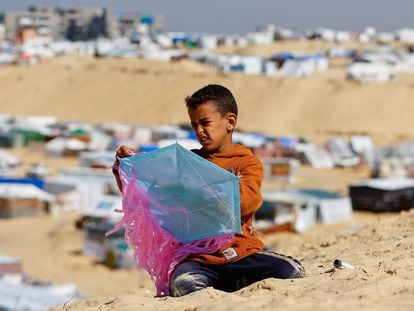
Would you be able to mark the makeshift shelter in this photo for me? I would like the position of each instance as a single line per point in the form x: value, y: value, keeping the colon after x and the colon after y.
x: 395, y: 161
x: 23, y: 180
x: 10, y: 265
x: 67, y: 196
x: 317, y: 157
x: 280, y: 169
x: 7, y: 58
x: 324, y: 34
x: 90, y: 186
x: 112, y: 250
x: 185, y: 142
x: 260, y: 37
x: 209, y: 42
x: 406, y: 35
x: 250, y: 139
x: 102, y: 159
x: 270, y: 68
x: 369, y: 72
x: 252, y: 65
x: 18, y: 200
x: 300, y: 66
x: 104, y: 211
x: 28, y: 136
x: 168, y: 132
x: 383, y: 195
x: 61, y: 146
x: 281, y: 58
x: 341, y: 153
x: 38, y: 170
x: 11, y: 140
x: 304, y: 207
x: 364, y: 147
x: 343, y: 36
x: 33, y: 128
x: 8, y: 162
x: 296, y: 68
x: 19, y: 293
x: 98, y: 140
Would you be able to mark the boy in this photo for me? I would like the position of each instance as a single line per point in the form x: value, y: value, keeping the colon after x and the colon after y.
x: 213, y: 115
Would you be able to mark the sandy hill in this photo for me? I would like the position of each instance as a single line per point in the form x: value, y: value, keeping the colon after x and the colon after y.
x: 150, y: 92
x: 383, y: 279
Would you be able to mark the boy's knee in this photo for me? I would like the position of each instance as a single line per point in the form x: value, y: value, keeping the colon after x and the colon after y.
x: 187, y: 283
x: 298, y: 271
x: 287, y: 267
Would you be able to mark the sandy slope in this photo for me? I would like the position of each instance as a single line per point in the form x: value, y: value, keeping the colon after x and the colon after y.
x: 150, y: 92
x: 382, y: 252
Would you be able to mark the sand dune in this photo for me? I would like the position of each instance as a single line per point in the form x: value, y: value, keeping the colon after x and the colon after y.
x: 382, y: 253
x: 150, y: 92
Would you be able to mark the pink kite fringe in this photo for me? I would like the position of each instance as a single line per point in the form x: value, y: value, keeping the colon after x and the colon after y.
x: 155, y: 249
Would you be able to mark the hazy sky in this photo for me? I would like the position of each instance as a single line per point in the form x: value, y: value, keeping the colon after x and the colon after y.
x: 241, y: 16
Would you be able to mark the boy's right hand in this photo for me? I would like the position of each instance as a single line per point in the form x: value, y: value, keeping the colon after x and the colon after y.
x: 122, y: 152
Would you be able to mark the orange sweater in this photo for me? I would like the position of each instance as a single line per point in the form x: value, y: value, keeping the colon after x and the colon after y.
x: 241, y: 162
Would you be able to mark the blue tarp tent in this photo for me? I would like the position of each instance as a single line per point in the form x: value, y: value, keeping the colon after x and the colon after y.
x: 32, y: 181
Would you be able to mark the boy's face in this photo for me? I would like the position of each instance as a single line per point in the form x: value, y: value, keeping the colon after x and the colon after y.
x: 213, y: 130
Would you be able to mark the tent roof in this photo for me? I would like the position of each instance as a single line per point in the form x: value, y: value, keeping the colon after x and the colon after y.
x: 389, y: 184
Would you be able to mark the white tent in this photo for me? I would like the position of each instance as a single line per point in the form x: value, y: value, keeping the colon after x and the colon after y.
x: 317, y: 157
x: 369, y: 72
x: 23, y: 191
x: 406, y: 35
x: 17, y: 294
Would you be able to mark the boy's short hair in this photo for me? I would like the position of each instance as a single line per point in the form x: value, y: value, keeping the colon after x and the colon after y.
x: 218, y: 94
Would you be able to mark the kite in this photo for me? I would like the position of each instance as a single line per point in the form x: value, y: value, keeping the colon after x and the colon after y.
x: 176, y: 203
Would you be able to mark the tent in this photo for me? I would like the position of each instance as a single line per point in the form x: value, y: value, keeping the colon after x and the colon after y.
x: 341, y: 153
x: 23, y: 200
x: 18, y: 293
x: 10, y: 265
x: 280, y: 169
x: 383, y: 194
x: 305, y: 207
x: 369, y: 72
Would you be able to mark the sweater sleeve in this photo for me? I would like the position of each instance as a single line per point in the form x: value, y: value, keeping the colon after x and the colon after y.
x: 251, y: 175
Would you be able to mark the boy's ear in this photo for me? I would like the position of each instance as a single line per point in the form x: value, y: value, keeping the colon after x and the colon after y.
x: 231, y: 121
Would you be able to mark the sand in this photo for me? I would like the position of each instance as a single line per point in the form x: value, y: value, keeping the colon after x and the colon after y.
x: 136, y: 91
x: 139, y: 91
x: 379, y: 246
x: 381, y: 250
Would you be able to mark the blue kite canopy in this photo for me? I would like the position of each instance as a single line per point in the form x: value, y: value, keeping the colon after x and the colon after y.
x: 191, y: 197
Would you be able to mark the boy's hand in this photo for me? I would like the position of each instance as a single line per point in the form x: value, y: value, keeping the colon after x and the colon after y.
x: 122, y: 152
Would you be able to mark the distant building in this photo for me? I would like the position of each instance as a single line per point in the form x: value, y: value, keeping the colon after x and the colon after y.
x: 128, y: 23
x: 406, y: 35
x: 132, y: 23
x: 2, y: 31
x: 2, y: 27
x: 58, y: 22
x: 25, y: 34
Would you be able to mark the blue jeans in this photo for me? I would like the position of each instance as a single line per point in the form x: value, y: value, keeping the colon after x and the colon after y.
x: 191, y: 276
